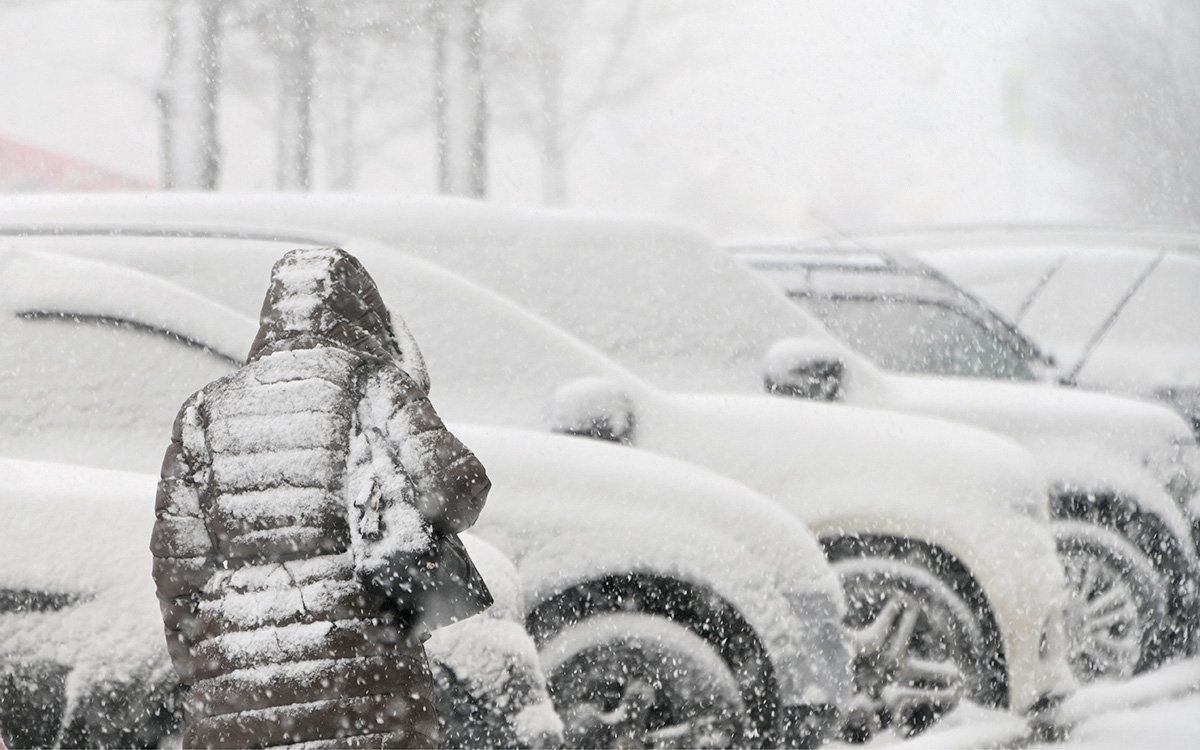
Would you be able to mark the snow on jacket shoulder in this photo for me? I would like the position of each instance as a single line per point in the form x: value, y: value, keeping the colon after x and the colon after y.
x: 303, y: 501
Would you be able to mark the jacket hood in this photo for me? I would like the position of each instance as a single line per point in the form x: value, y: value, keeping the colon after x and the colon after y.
x: 325, y: 297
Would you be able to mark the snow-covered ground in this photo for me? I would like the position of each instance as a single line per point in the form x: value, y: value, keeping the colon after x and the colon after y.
x: 1173, y: 723
x: 1158, y: 710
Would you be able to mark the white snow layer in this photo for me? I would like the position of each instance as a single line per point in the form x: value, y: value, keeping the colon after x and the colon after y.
x: 1159, y: 709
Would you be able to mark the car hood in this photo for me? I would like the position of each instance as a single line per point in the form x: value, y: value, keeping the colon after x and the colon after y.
x: 1037, y: 414
x: 1144, y: 368
x: 824, y: 459
x: 565, y: 484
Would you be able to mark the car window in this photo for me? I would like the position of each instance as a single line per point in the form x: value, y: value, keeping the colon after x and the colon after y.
x: 83, y: 389
x: 919, y: 337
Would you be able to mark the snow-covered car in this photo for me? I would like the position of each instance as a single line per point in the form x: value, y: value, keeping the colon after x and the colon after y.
x: 928, y: 523
x: 669, y: 605
x: 669, y: 305
x: 83, y: 660
x: 1121, y: 470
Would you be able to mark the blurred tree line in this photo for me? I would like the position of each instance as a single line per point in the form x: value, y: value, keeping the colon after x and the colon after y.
x: 338, y: 79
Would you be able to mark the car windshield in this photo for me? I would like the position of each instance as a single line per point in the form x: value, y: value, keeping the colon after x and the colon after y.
x: 919, y: 337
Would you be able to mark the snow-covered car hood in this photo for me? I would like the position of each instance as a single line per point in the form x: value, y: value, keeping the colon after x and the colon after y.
x: 831, y: 457
x: 1082, y: 440
x: 1035, y: 414
x: 83, y: 534
x: 572, y: 476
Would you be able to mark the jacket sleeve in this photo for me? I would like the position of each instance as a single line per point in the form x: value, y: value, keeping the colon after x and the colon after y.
x: 450, y: 484
x: 182, y: 549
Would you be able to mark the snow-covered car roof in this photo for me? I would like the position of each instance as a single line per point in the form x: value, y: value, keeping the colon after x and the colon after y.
x: 454, y: 321
x: 634, y: 290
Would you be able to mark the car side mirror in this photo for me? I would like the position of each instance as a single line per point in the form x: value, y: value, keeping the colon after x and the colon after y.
x: 803, y: 369
x: 594, y: 407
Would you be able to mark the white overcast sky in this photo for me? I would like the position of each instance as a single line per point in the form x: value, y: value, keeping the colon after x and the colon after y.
x: 787, y: 117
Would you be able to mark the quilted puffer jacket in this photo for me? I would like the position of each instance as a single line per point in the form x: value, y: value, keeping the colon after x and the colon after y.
x: 306, y: 526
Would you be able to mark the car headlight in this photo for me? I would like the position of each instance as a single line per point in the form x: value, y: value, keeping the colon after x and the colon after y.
x: 1177, y: 467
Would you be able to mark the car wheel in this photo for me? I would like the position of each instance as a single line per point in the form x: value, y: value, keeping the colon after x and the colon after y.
x: 629, y: 679
x: 1116, y: 601
x: 917, y: 648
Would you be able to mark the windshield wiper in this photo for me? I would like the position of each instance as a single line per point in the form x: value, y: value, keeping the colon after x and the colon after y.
x: 1110, y: 321
x: 1038, y: 287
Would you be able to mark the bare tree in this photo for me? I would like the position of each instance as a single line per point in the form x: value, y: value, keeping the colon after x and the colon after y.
x: 558, y: 65
x: 188, y: 95
x: 550, y: 23
x: 556, y: 30
x: 275, y: 62
x: 371, y: 56
x: 335, y: 80
x: 460, y: 97
x: 293, y: 165
x: 1124, y: 103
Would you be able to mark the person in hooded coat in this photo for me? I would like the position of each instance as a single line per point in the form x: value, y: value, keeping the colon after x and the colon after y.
x: 306, y: 526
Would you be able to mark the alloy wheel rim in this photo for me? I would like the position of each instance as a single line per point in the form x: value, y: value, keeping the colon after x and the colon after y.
x: 905, y: 658
x: 1104, y: 623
